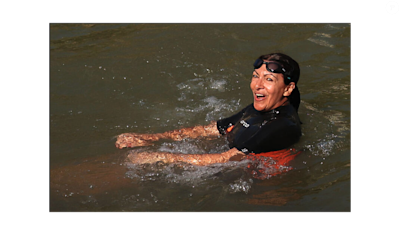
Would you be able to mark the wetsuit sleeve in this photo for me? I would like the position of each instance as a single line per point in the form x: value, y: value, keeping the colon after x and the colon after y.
x: 277, y: 135
x: 224, y: 124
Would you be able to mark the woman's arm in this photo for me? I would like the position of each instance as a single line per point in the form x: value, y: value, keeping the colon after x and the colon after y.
x: 210, y: 130
x: 195, y: 159
x: 134, y: 140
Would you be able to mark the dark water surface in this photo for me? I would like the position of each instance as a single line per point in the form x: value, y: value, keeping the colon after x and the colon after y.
x: 107, y: 79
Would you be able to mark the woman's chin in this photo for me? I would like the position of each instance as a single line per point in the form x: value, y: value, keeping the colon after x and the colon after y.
x: 258, y: 107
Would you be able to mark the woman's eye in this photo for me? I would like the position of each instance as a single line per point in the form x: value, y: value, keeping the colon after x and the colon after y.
x: 255, y: 76
x: 269, y: 79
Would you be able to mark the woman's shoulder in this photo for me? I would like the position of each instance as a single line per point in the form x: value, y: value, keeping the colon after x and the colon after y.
x: 284, y: 120
x: 279, y: 135
x: 289, y: 112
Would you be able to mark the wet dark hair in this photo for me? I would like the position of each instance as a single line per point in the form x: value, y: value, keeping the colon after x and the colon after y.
x: 292, y: 74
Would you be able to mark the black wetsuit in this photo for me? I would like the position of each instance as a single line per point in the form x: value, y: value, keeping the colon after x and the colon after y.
x: 256, y: 132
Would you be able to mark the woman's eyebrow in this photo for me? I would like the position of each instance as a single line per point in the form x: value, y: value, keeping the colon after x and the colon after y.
x: 271, y: 75
x: 266, y: 74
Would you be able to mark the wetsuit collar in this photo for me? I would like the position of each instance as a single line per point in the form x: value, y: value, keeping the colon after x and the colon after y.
x: 276, y: 110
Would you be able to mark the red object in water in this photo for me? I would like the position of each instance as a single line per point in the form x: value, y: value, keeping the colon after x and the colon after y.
x: 271, y: 163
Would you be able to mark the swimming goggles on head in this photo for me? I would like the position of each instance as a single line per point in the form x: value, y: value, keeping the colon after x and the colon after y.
x: 272, y: 67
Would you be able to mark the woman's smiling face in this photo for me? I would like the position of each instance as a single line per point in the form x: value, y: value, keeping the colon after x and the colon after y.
x: 269, y: 89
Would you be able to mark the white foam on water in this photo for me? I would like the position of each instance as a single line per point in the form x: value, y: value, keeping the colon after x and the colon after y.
x: 322, y: 148
x: 178, y: 173
x: 238, y: 176
x: 241, y: 185
x: 330, y: 129
x: 212, y: 106
x: 219, y: 85
x: 184, y: 147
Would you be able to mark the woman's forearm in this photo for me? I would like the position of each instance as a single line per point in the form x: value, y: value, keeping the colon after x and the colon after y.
x: 191, y: 132
x: 195, y: 159
x: 206, y: 159
x: 134, y: 139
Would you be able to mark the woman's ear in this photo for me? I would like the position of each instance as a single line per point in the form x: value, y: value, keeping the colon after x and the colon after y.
x: 288, y: 89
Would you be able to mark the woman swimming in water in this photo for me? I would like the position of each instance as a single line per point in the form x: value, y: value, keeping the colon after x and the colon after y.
x: 269, y: 124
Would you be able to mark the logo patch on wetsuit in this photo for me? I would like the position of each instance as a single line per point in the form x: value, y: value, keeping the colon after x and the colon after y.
x: 246, y: 125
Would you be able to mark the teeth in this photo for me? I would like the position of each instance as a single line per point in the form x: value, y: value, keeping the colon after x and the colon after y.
x: 260, y: 95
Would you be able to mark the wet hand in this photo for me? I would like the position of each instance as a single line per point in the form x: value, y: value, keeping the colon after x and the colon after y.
x: 148, y: 157
x: 237, y: 157
x: 234, y: 155
x: 134, y: 140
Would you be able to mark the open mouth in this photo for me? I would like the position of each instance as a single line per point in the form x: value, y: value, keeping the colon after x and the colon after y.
x: 259, y: 96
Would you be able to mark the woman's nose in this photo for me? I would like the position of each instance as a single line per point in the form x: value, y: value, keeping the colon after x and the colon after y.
x: 260, y: 83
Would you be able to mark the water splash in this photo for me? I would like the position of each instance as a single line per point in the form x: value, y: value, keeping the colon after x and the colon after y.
x: 238, y: 176
x: 325, y: 130
x: 322, y: 148
x: 212, y: 107
x: 241, y: 186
